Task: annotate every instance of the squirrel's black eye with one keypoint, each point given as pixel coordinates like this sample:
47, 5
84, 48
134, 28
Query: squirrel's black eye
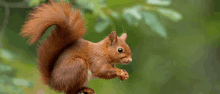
120, 50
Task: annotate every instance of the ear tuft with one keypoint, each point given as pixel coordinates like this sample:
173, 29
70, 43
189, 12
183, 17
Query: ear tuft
123, 36
113, 37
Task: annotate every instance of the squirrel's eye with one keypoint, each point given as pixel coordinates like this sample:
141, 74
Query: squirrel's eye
120, 50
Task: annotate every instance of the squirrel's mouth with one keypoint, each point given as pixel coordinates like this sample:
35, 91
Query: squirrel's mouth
125, 61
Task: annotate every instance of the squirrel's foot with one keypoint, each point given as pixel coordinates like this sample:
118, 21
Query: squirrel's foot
87, 90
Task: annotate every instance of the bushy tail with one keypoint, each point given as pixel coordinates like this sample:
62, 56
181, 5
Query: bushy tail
69, 28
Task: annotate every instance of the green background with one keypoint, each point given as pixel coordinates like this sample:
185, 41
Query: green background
170, 54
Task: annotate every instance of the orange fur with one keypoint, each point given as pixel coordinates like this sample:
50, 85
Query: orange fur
65, 58
69, 28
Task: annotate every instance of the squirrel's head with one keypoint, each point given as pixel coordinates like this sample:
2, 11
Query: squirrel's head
118, 49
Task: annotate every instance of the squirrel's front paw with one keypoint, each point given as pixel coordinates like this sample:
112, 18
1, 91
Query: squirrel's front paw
123, 75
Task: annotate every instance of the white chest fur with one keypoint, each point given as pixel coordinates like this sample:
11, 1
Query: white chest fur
90, 76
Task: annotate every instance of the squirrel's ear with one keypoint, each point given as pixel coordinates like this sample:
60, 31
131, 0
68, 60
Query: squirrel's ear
123, 36
113, 37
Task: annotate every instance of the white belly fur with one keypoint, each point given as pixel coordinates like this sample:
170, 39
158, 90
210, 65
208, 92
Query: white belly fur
90, 77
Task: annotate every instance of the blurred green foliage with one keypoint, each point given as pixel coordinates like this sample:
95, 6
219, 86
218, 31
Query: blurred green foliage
9, 83
184, 60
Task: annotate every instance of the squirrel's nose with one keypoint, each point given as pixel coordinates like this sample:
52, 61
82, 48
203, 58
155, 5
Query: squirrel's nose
129, 60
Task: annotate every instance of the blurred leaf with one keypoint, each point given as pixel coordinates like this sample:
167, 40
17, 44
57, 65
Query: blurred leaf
159, 2
5, 69
6, 54
6, 85
154, 23
2, 91
102, 24
35, 2
132, 15
130, 19
116, 15
171, 14
86, 4
133, 11
99, 4
9, 89
22, 82
6, 80
103, 15
93, 5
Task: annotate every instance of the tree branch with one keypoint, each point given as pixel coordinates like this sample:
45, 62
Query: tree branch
23, 4
7, 6
4, 24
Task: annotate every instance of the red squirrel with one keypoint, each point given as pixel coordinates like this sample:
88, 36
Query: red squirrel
65, 58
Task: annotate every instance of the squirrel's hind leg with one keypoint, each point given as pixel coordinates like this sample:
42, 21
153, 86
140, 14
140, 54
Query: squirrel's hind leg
69, 75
